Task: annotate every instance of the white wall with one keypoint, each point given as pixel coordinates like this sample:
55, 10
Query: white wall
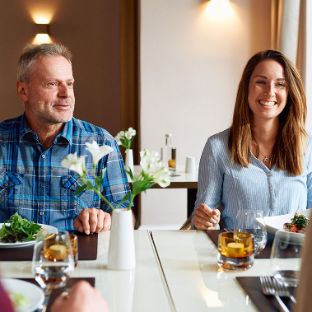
190, 68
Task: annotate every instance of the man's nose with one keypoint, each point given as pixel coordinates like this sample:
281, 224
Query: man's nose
63, 90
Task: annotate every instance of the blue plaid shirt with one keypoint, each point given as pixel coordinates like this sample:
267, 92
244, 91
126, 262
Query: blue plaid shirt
34, 183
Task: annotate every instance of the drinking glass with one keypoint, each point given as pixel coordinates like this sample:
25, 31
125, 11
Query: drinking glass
235, 250
52, 261
250, 221
286, 257
74, 244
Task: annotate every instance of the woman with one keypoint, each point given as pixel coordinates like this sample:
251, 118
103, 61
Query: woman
263, 162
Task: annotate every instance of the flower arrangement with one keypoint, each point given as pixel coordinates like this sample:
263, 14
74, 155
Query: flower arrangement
152, 172
125, 138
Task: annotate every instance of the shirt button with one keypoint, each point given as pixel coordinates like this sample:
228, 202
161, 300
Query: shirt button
41, 213
43, 155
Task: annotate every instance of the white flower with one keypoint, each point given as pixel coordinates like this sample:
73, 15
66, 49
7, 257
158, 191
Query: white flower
124, 138
130, 133
98, 151
162, 177
151, 165
74, 163
118, 137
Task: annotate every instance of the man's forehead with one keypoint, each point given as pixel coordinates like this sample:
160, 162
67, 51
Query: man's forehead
52, 65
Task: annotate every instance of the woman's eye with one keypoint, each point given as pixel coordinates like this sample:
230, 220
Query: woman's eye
281, 84
261, 82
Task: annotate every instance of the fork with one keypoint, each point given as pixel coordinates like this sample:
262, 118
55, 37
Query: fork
268, 289
282, 290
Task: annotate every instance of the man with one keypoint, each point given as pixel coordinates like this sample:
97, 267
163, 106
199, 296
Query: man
32, 146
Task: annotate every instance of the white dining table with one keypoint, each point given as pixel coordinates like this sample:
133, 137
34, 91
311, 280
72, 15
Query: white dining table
189, 262
141, 289
175, 271
181, 180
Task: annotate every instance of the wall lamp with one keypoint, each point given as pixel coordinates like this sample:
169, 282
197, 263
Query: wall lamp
42, 32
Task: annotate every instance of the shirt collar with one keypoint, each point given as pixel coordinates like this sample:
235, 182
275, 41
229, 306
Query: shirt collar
66, 133
27, 133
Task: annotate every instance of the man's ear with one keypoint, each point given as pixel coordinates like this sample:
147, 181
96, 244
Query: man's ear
22, 91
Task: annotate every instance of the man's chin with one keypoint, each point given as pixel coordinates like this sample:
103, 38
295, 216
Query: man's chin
60, 119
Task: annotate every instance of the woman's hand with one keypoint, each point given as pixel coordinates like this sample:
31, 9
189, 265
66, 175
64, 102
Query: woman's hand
205, 218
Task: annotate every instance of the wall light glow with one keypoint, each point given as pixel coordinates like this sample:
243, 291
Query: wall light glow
42, 38
218, 10
42, 16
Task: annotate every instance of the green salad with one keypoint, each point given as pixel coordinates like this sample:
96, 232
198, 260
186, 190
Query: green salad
18, 229
18, 300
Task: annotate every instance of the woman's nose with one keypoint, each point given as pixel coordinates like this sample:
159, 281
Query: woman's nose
270, 90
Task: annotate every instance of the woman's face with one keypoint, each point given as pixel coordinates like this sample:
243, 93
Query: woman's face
267, 91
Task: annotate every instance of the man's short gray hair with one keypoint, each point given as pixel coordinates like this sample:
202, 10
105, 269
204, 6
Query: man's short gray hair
33, 52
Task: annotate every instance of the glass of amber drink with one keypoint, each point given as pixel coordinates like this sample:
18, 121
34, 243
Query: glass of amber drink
235, 250
53, 260
74, 244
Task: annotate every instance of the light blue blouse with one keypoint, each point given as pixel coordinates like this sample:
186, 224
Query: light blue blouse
224, 183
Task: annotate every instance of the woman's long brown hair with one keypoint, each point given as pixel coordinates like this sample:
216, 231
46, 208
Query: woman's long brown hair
288, 151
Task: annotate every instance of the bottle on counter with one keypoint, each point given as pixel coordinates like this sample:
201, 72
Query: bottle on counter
166, 151
172, 161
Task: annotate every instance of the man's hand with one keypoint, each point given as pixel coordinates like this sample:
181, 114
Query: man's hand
206, 218
81, 297
92, 220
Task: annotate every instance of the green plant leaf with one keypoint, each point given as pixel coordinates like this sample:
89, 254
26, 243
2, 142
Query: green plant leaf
80, 189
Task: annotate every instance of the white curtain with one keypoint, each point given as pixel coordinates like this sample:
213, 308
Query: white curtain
291, 34
286, 27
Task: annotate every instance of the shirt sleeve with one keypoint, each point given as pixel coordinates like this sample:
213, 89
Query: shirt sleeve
210, 177
115, 185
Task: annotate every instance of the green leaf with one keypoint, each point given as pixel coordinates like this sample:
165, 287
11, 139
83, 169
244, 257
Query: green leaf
80, 189
18, 229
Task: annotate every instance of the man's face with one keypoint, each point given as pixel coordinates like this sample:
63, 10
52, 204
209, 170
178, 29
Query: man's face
48, 95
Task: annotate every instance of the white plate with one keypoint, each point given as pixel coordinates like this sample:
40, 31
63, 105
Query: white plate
277, 222
33, 294
49, 228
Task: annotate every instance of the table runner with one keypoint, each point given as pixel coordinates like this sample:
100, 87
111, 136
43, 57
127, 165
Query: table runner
87, 250
57, 292
264, 254
264, 303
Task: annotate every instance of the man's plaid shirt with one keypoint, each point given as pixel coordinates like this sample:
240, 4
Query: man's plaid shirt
34, 183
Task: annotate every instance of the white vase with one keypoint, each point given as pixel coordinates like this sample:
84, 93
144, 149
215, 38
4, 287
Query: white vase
129, 159
121, 282
121, 251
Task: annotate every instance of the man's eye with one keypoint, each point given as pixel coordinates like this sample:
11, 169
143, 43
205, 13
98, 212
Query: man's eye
52, 84
70, 84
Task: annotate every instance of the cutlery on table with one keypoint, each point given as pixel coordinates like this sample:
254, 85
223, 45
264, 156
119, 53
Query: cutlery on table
282, 290
268, 289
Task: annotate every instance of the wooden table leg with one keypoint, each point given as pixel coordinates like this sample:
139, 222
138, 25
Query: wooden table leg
191, 198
